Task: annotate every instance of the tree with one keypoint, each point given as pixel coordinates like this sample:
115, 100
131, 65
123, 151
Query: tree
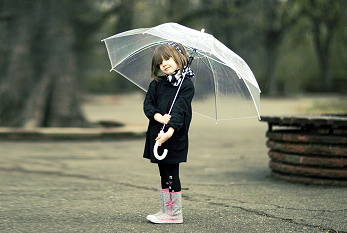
272, 23
42, 61
324, 16
39, 85
245, 26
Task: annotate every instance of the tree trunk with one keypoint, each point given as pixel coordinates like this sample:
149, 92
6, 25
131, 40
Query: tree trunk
325, 17
125, 23
272, 42
322, 42
39, 80
271, 62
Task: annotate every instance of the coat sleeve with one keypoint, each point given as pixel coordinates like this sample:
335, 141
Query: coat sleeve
182, 111
149, 104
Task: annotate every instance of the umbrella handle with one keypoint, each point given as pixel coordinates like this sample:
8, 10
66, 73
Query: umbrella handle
155, 152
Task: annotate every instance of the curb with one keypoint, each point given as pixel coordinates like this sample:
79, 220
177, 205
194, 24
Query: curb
56, 134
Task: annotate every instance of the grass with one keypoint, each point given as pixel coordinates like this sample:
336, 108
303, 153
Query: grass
328, 106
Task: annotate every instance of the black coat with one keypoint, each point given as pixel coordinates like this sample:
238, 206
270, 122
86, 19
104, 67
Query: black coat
158, 100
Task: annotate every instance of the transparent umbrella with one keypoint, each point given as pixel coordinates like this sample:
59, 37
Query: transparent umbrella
225, 87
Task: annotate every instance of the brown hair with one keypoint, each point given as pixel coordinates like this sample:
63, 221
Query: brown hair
166, 51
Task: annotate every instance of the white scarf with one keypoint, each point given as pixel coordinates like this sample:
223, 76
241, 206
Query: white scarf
175, 78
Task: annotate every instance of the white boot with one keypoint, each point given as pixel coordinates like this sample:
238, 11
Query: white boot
172, 211
162, 204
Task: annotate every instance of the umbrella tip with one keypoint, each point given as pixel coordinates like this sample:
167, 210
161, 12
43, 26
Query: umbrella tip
202, 30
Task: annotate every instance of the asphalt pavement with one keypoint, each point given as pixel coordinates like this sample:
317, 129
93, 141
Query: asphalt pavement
95, 185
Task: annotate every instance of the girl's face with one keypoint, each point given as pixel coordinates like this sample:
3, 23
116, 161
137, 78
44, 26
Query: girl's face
168, 66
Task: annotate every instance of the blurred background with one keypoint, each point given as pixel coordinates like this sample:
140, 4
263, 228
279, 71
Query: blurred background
51, 54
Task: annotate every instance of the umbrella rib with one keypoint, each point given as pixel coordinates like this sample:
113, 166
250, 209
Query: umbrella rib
108, 53
210, 57
215, 95
224, 119
125, 76
207, 65
137, 51
215, 91
255, 104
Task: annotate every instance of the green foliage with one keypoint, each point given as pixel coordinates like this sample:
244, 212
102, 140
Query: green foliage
276, 38
288, 44
334, 105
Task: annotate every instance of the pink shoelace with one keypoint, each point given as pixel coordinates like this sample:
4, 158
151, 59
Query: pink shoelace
170, 203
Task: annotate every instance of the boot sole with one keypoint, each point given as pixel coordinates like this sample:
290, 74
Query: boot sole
153, 219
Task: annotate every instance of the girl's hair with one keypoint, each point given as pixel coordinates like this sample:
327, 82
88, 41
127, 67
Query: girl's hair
166, 51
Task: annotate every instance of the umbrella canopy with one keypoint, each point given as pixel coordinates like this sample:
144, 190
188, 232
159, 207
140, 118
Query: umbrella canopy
225, 86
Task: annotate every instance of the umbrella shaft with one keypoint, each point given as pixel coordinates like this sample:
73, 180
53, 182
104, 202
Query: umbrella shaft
190, 59
174, 100
178, 90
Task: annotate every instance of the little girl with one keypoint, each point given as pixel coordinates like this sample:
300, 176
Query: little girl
169, 65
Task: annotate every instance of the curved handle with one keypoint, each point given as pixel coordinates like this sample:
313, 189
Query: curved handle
155, 151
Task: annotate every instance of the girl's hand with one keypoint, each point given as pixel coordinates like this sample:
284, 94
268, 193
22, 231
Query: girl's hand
163, 137
162, 119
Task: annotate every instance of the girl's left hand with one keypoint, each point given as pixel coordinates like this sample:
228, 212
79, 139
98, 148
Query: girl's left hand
163, 137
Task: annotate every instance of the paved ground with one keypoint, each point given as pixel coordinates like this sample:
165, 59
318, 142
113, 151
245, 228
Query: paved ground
106, 186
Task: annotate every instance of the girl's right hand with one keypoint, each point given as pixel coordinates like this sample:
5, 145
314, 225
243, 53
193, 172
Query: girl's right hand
162, 119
